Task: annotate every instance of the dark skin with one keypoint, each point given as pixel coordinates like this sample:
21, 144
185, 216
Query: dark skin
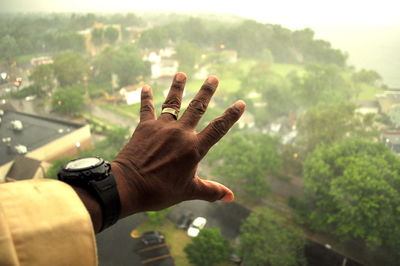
157, 167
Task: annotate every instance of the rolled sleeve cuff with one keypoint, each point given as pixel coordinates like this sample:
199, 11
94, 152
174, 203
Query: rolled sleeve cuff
44, 222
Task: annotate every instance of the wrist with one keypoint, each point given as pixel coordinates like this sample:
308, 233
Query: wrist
128, 194
92, 205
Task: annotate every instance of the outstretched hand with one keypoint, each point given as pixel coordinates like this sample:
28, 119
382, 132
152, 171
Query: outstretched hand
157, 167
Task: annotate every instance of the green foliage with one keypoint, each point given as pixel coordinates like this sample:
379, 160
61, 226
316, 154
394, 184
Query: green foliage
8, 48
208, 248
155, 218
244, 160
321, 84
56, 166
111, 34
125, 62
187, 55
97, 36
326, 124
68, 99
43, 77
267, 239
118, 136
352, 190
69, 68
275, 94
70, 41
370, 77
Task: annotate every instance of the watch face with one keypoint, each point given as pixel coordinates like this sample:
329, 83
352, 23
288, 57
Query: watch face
83, 163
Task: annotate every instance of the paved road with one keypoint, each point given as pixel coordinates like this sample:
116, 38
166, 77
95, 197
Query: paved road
112, 117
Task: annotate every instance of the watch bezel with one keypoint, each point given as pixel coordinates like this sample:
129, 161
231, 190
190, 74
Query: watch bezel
101, 161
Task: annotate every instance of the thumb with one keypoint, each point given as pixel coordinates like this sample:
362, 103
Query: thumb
211, 191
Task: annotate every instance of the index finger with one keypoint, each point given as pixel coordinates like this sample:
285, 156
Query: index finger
220, 126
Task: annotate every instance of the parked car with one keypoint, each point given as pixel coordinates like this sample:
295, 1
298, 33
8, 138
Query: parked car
184, 221
152, 238
196, 226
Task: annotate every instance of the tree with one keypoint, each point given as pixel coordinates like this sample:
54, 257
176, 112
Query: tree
97, 36
267, 239
352, 190
111, 34
326, 124
208, 248
125, 62
187, 54
157, 217
68, 100
8, 48
69, 68
247, 160
70, 41
321, 84
275, 93
370, 77
43, 78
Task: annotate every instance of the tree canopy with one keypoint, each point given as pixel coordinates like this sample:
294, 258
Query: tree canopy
353, 191
68, 99
247, 160
208, 248
69, 68
267, 239
328, 123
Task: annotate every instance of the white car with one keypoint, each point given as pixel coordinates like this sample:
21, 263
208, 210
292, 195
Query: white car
196, 226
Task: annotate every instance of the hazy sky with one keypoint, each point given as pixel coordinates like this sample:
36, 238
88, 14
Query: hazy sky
291, 13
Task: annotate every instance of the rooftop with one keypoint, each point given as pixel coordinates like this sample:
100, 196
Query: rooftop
36, 131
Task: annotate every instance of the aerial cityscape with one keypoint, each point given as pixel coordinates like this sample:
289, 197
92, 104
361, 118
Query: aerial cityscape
313, 162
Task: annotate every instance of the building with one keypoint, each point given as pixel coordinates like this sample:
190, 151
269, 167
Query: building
368, 107
163, 64
131, 94
43, 60
28, 142
388, 99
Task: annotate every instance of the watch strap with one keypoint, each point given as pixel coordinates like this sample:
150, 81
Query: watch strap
107, 193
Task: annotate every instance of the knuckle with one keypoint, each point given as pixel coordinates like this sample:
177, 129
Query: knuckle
209, 88
146, 108
145, 96
198, 106
220, 126
177, 85
172, 102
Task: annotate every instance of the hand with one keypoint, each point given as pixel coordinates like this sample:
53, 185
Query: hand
157, 167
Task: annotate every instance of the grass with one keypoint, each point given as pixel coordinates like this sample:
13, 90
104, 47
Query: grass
284, 69
175, 239
129, 111
368, 92
98, 120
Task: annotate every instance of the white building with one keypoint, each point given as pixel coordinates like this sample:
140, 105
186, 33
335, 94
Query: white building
131, 94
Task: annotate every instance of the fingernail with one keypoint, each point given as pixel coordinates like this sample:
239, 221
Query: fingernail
240, 104
212, 80
146, 88
228, 197
180, 77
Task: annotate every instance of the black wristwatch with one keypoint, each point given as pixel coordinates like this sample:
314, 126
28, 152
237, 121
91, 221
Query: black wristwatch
94, 174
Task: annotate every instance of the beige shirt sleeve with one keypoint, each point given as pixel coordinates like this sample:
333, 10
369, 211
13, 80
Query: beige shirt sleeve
43, 222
